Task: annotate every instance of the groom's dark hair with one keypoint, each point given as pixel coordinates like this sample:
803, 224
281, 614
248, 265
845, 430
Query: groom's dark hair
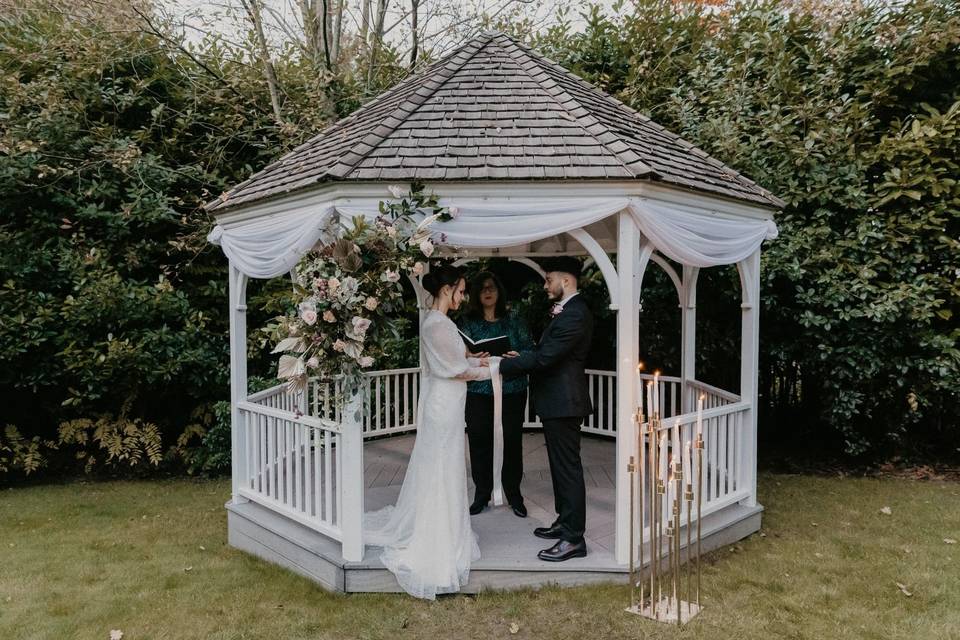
475, 310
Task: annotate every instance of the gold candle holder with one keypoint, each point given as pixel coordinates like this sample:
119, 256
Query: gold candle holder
666, 482
631, 469
699, 447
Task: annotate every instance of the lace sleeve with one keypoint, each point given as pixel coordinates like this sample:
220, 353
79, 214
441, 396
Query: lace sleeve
445, 353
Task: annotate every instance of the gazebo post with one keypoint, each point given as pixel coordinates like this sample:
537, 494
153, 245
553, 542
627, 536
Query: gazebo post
238, 378
749, 369
351, 507
628, 355
688, 336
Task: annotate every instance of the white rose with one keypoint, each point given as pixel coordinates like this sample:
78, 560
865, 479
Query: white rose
360, 325
309, 316
418, 269
313, 362
371, 303
397, 191
426, 247
390, 276
366, 361
454, 212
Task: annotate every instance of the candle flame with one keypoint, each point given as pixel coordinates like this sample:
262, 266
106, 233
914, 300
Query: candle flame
640, 366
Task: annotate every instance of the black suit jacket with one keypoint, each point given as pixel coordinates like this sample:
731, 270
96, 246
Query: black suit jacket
558, 384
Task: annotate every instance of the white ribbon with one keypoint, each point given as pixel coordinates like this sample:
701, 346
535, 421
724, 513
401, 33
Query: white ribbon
497, 430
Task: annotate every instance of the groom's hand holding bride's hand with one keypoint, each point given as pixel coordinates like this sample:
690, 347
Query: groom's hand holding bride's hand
511, 354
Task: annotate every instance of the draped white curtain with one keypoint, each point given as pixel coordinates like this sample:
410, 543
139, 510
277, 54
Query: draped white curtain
271, 246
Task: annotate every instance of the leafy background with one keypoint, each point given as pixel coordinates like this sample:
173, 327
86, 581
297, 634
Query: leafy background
113, 132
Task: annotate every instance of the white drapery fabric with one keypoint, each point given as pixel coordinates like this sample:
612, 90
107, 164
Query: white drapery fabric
271, 246
699, 240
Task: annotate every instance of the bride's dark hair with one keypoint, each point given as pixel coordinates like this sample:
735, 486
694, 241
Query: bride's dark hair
441, 276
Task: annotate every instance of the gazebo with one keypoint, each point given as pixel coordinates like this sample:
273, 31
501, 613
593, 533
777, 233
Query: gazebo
538, 162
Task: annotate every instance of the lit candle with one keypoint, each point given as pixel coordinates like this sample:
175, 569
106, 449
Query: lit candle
656, 392
649, 400
700, 417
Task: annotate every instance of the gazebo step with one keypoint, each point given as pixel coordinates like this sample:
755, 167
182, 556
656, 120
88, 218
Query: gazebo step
279, 540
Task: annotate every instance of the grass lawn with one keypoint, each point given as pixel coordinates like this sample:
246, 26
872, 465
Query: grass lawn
150, 558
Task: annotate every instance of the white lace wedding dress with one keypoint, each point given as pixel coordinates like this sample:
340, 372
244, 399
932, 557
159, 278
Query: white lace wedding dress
427, 539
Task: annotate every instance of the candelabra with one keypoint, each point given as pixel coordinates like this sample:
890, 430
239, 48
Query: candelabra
662, 483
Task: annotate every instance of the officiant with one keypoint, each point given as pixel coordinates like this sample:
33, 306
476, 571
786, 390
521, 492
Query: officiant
487, 318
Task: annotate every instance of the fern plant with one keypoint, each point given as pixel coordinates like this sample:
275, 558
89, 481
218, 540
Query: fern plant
18, 453
113, 443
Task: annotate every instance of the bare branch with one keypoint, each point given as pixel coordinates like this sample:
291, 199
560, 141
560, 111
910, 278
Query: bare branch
252, 8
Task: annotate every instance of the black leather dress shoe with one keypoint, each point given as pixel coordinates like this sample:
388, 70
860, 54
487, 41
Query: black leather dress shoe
478, 506
519, 509
564, 550
548, 533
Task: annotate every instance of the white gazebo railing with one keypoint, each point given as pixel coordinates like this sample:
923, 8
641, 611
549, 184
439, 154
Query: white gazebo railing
292, 461
294, 445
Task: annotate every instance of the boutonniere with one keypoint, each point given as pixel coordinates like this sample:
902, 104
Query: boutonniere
556, 309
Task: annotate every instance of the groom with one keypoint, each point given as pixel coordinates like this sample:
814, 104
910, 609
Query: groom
558, 389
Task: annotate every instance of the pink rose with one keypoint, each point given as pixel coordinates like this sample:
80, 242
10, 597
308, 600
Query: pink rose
313, 362
309, 316
366, 361
333, 283
418, 269
371, 303
339, 345
390, 276
328, 316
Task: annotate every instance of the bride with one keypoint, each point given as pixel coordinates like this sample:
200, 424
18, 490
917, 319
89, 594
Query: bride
427, 539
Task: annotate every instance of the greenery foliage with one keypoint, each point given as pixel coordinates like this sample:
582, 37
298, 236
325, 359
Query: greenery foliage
851, 117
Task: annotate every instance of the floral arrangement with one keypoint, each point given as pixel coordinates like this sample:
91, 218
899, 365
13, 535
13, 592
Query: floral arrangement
347, 289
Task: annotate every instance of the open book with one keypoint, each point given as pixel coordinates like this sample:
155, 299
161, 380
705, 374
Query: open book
494, 346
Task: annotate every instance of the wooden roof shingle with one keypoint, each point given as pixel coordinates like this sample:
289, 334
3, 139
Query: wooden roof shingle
494, 109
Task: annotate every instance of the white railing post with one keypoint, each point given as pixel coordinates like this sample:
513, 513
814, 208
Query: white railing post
749, 369
238, 379
688, 337
629, 277
350, 493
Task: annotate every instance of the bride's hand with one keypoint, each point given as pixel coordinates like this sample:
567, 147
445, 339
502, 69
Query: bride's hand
485, 362
482, 354
511, 354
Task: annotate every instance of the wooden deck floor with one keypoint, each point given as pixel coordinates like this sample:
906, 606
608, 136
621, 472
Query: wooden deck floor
505, 539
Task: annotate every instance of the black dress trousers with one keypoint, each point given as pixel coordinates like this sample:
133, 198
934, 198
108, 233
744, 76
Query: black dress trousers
479, 415
562, 436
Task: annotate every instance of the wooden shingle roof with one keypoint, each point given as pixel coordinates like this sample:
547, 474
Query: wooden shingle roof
495, 109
